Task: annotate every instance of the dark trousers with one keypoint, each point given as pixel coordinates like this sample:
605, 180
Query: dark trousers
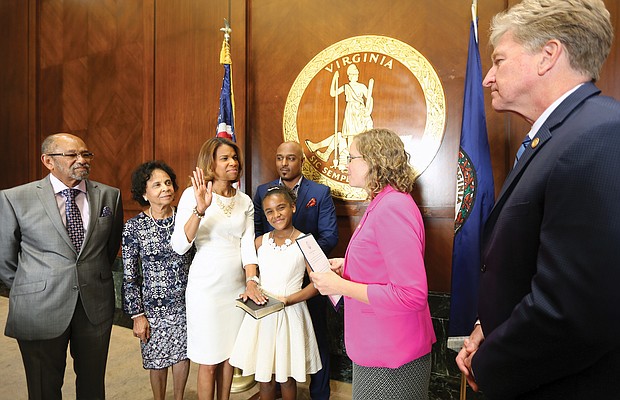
319, 382
45, 360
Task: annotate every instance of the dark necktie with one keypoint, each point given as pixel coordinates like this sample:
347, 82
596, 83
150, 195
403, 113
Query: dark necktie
75, 227
526, 142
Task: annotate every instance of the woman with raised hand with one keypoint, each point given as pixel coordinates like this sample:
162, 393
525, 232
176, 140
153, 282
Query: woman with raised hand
219, 221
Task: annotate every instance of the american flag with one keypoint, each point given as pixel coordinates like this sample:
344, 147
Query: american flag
226, 116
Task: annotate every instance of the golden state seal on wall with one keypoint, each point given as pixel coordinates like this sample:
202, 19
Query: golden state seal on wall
357, 84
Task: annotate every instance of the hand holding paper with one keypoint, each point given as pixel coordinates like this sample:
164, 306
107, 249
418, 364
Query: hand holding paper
336, 265
328, 282
318, 262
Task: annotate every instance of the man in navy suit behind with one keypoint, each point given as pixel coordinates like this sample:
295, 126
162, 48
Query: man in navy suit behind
549, 292
315, 214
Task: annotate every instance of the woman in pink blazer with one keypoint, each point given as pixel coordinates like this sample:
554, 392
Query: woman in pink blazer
388, 328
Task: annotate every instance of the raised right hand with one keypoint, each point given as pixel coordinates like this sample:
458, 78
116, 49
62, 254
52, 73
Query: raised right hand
203, 191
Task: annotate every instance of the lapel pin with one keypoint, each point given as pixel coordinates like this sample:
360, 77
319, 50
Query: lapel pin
535, 142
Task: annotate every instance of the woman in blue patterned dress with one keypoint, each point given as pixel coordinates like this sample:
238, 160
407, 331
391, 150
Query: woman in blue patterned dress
155, 278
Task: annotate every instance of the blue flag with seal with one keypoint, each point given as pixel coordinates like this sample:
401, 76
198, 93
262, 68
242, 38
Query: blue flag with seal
475, 196
226, 115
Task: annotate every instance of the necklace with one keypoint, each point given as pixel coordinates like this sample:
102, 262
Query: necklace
287, 242
168, 225
226, 208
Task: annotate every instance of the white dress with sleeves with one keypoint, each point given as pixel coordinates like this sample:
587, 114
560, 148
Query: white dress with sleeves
224, 244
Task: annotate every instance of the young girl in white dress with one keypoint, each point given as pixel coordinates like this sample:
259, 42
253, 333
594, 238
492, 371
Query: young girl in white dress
280, 347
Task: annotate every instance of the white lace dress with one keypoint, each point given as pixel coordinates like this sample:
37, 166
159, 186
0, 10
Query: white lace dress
282, 343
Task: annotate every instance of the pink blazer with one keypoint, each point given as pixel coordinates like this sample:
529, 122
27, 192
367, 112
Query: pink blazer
386, 252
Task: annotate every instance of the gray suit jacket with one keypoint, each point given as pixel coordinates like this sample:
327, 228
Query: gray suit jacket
40, 265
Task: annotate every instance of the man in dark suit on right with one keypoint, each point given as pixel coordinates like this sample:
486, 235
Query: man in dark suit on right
549, 306
315, 214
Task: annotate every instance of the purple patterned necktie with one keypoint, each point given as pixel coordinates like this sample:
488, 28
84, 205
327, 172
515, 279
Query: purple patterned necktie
75, 227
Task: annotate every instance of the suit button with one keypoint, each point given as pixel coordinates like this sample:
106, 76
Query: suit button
75, 288
483, 268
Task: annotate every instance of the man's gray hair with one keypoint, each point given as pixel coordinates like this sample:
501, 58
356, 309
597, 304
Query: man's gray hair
582, 26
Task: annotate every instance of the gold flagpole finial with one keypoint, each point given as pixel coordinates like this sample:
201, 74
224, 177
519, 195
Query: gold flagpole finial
226, 29
474, 17
225, 52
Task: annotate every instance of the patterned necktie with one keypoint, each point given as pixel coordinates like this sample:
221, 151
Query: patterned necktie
526, 142
75, 227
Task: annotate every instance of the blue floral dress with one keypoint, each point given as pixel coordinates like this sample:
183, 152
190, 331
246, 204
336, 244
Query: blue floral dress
154, 282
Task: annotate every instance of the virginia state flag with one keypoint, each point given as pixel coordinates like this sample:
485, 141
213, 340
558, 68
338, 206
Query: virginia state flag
226, 116
475, 197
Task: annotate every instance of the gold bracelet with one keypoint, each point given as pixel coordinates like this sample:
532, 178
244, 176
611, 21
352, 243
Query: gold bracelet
196, 213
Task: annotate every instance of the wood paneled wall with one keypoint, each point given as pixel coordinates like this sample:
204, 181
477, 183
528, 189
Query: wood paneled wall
287, 35
17, 51
140, 80
96, 80
284, 36
188, 77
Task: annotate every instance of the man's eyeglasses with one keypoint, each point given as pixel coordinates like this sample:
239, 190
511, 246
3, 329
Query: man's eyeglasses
86, 155
349, 158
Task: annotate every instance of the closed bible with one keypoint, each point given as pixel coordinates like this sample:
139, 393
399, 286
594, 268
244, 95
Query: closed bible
259, 311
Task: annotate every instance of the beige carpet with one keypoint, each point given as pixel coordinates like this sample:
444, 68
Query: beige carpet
125, 380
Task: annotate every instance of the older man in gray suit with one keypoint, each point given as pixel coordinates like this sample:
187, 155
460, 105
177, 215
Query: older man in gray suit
59, 237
